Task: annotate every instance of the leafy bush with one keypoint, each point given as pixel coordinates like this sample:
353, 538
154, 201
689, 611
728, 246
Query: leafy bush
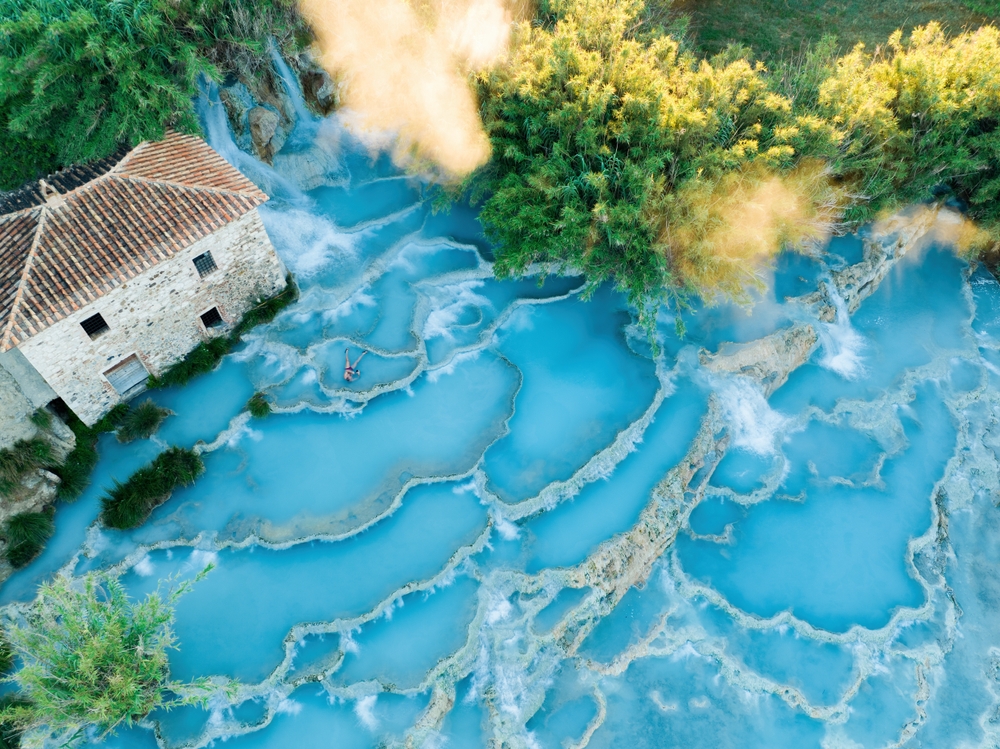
20, 459
26, 534
206, 356
619, 153
258, 406
79, 78
128, 505
266, 309
90, 657
141, 422
10, 735
917, 116
41, 418
6, 656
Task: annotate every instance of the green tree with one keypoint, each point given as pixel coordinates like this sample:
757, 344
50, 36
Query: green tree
79, 78
918, 115
613, 147
92, 657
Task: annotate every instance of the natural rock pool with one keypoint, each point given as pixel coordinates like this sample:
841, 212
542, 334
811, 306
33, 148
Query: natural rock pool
521, 528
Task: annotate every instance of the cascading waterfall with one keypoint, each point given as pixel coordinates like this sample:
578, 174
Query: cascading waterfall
519, 529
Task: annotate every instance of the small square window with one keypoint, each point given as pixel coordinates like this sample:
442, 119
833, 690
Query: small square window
205, 264
211, 318
95, 325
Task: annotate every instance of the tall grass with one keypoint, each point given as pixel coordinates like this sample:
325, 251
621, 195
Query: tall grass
206, 356
258, 406
141, 422
10, 734
26, 534
18, 460
41, 418
127, 505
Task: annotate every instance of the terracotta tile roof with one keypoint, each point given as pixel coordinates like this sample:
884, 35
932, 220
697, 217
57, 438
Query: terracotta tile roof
61, 254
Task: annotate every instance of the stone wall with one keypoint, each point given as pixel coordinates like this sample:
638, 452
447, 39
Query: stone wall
156, 315
15, 412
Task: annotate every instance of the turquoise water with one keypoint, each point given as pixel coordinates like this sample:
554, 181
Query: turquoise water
520, 528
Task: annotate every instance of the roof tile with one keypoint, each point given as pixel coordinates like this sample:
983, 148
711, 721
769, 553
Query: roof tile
158, 200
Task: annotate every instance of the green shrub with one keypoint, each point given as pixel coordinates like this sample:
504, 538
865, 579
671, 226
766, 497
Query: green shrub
258, 406
82, 77
26, 534
6, 656
111, 420
10, 734
20, 459
202, 359
141, 421
41, 418
128, 505
92, 657
206, 356
267, 309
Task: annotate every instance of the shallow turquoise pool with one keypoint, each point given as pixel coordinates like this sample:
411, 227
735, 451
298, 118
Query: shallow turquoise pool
520, 528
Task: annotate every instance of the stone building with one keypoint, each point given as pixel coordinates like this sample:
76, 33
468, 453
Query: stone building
113, 271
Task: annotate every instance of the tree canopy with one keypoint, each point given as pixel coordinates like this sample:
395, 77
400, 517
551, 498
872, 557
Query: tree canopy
619, 153
79, 78
91, 656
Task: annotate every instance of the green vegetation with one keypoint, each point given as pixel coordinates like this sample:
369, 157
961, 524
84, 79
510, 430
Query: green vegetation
140, 422
75, 471
79, 78
206, 355
128, 505
6, 656
10, 735
26, 534
258, 406
618, 154
91, 657
41, 418
18, 460
621, 154
778, 29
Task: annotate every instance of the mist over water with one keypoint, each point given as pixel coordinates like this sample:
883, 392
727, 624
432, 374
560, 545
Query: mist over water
444, 552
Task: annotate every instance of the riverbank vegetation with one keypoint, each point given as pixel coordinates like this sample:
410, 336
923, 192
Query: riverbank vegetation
620, 152
128, 504
80, 78
26, 534
258, 406
21, 458
74, 473
91, 657
140, 422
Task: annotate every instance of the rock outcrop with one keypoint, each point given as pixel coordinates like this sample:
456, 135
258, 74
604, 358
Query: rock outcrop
261, 111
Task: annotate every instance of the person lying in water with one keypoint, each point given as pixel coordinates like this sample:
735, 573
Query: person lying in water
351, 371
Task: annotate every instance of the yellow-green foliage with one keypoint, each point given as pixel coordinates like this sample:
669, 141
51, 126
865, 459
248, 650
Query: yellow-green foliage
90, 656
612, 150
919, 114
619, 154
